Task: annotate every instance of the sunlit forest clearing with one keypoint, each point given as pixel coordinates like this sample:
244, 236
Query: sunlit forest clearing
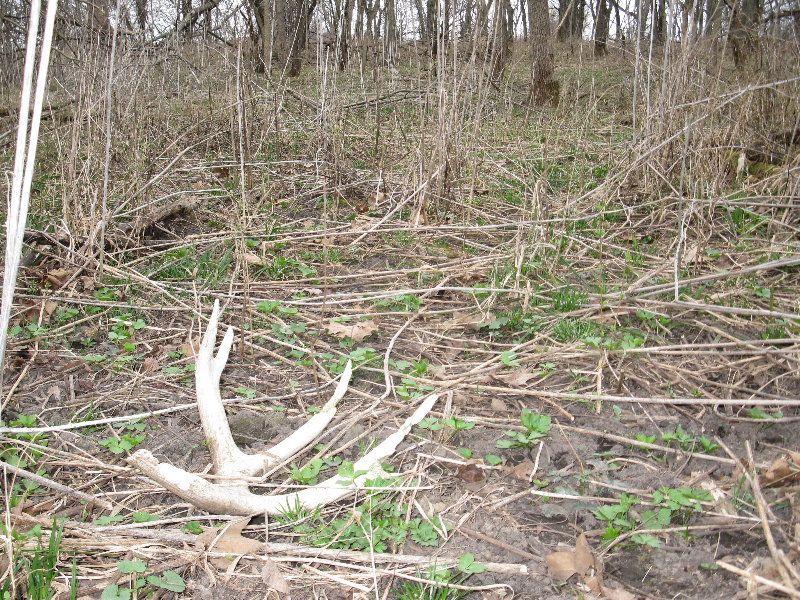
553, 250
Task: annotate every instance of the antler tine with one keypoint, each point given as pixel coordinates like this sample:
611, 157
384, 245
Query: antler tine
218, 364
225, 455
206, 351
314, 426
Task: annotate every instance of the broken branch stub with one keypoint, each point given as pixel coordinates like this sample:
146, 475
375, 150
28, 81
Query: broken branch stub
232, 495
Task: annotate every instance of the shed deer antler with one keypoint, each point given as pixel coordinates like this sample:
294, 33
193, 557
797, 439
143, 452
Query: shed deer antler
232, 497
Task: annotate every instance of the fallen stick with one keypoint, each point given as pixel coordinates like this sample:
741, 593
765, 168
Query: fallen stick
272, 548
759, 579
53, 485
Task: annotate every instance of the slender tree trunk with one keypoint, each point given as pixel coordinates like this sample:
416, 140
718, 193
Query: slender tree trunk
299, 34
444, 29
523, 13
466, 26
642, 14
501, 44
660, 21
186, 9
713, 17
280, 36
345, 23
743, 34
686, 11
564, 10
571, 15
265, 22
141, 14
97, 19
484, 6
601, 28
432, 24
544, 87
360, 15
390, 33
422, 26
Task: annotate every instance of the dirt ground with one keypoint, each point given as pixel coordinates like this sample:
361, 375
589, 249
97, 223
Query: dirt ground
486, 511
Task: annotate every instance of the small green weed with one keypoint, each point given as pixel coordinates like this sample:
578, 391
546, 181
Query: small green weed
401, 303
572, 330
138, 584
376, 523
129, 436
567, 299
36, 567
536, 427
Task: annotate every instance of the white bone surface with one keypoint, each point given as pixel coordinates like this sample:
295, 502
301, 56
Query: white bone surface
232, 495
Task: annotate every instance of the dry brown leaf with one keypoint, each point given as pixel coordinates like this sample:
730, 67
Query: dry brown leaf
470, 473
58, 277
189, 348
357, 331
582, 562
561, 564
783, 470
584, 557
499, 405
469, 321
150, 364
251, 258
451, 351
49, 307
231, 541
721, 498
54, 393
523, 470
361, 223
517, 378
566, 563
271, 575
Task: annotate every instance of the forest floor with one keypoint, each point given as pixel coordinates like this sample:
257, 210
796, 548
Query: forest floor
618, 367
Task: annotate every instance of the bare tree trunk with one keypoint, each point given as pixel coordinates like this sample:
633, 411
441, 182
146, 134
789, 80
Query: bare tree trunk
265, 20
390, 42
660, 21
186, 10
444, 29
601, 28
466, 26
642, 14
523, 19
301, 17
501, 44
431, 24
422, 26
361, 9
743, 34
686, 11
344, 33
141, 14
484, 6
280, 35
713, 17
571, 15
544, 87
618, 21
97, 18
